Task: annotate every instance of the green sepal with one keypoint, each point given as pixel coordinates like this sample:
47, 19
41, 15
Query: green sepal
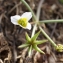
23, 45
35, 36
28, 38
30, 50
40, 41
38, 49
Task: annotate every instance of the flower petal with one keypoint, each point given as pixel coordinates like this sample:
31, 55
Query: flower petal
14, 19
28, 26
27, 15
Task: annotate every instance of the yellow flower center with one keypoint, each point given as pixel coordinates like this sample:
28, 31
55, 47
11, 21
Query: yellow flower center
23, 22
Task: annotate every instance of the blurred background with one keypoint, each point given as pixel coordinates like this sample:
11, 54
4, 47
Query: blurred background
11, 36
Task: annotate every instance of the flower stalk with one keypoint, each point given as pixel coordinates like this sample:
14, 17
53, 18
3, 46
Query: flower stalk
52, 42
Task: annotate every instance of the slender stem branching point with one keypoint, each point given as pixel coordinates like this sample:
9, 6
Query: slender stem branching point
37, 20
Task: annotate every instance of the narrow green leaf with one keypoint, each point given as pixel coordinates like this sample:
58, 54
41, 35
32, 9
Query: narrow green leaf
35, 36
40, 41
38, 49
23, 45
29, 51
28, 38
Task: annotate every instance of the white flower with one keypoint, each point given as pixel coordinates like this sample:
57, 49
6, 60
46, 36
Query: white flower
22, 20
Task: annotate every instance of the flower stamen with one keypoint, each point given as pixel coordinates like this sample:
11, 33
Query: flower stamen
23, 22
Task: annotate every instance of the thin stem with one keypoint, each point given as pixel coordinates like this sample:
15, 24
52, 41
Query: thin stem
37, 17
48, 37
51, 21
39, 9
33, 31
26, 4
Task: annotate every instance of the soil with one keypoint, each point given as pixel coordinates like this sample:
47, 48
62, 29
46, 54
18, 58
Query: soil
11, 36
